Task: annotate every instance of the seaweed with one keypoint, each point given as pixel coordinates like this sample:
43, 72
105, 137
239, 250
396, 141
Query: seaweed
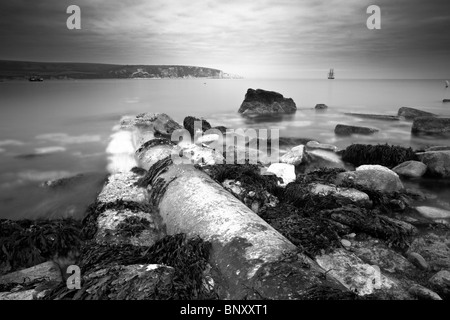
138, 171
189, 121
95, 209
155, 170
188, 257
132, 226
385, 155
327, 292
154, 142
26, 243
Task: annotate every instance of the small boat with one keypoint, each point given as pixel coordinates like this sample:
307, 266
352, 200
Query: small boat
35, 78
331, 74
447, 83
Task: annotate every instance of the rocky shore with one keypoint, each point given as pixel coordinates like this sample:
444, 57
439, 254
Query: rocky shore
182, 221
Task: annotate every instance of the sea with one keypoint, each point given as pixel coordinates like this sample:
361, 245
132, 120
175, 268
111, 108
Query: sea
61, 128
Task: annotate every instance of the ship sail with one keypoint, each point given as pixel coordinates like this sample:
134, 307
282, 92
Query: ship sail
331, 74
447, 84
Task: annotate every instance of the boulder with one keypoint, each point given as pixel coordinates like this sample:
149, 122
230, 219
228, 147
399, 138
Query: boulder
445, 100
284, 171
411, 169
348, 193
431, 125
294, 156
346, 130
437, 162
423, 293
263, 102
157, 122
376, 167
195, 154
373, 116
435, 249
321, 106
372, 179
312, 145
441, 281
433, 213
324, 158
189, 125
411, 113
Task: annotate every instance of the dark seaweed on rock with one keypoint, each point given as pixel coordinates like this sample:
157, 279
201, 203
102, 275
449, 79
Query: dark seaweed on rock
189, 258
325, 292
138, 171
154, 142
132, 226
154, 171
385, 155
26, 243
95, 209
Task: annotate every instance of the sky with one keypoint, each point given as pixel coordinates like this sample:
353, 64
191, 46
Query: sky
255, 39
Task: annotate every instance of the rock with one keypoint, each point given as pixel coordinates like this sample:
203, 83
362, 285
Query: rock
437, 162
346, 130
423, 293
438, 148
433, 213
441, 281
313, 145
189, 125
348, 193
157, 122
377, 253
411, 113
446, 100
319, 158
347, 244
431, 125
435, 249
121, 186
373, 179
221, 129
294, 156
418, 260
284, 171
194, 154
208, 138
20, 295
262, 102
356, 275
373, 116
47, 269
411, 169
376, 167
321, 106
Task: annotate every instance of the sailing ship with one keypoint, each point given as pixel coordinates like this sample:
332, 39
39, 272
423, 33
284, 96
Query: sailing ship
331, 74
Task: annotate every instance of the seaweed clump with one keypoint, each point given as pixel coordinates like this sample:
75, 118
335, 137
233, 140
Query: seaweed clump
188, 257
25, 243
132, 226
154, 142
385, 155
155, 170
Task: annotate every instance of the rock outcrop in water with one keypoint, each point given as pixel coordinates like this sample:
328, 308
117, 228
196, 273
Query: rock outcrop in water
412, 113
438, 163
431, 125
346, 130
265, 102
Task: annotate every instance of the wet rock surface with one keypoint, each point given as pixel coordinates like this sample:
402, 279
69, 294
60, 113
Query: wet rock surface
437, 162
265, 102
431, 125
411, 169
412, 113
347, 130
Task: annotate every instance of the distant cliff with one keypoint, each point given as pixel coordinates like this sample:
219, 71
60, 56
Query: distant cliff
57, 70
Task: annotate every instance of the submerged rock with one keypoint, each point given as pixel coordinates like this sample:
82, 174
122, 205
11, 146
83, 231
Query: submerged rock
262, 102
431, 125
283, 171
321, 106
372, 179
438, 162
411, 169
346, 130
433, 213
412, 113
312, 145
294, 156
373, 116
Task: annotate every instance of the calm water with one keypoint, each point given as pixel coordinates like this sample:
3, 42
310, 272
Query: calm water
56, 129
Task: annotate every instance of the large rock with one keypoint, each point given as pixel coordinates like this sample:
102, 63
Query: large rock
321, 106
348, 193
157, 122
411, 169
434, 248
283, 171
262, 102
431, 125
438, 162
189, 125
433, 213
372, 179
346, 130
323, 158
294, 156
376, 167
411, 113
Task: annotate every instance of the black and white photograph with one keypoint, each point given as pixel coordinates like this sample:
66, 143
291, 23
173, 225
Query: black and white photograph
208, 152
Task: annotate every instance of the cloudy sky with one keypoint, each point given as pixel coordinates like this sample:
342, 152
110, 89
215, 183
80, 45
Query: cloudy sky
256, 39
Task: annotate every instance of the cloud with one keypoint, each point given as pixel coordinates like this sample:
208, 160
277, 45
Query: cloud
11, 142
64, 138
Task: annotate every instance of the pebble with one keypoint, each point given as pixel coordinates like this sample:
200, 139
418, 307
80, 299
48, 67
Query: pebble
418, 260
346, 243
